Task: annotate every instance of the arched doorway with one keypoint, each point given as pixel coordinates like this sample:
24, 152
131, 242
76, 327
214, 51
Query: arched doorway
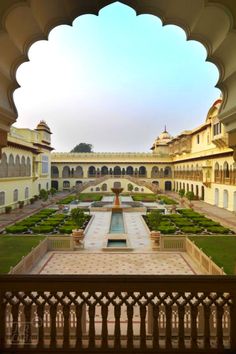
168, 185
40, 17
117, 171
203, 193
129, 171
225, 199
104, 170
54, 184
217, 197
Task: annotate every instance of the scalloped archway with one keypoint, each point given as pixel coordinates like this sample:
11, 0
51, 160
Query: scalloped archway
211, 22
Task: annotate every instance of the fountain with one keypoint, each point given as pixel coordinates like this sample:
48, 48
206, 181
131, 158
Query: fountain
117, 192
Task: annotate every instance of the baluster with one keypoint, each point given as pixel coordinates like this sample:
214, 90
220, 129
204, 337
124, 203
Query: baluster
104, 312
27, 329
207, 312
181, 311
194, 313
78, 333
91, 312
66, 329
117, 313
3, 320
155, 328
143, 312
53, 331
40, 313
130, 312
15, 324
168, 312
219, 315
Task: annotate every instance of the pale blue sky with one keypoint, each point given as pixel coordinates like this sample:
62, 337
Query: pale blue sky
114, 81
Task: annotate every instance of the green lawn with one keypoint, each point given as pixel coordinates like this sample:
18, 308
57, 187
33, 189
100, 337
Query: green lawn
222, 249
146, 197
12, 248
90, 197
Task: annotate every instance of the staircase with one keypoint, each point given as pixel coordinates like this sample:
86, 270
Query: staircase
154, 188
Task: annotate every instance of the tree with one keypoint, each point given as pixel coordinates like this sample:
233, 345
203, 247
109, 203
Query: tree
78, 217
83, 147
43, 194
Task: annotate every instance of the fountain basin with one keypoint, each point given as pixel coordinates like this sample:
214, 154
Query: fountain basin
116, 242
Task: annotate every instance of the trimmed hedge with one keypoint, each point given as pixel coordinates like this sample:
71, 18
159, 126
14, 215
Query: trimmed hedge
218, 230
50, 223
16, 229
42, 229
191, 229
167, 229
66, 229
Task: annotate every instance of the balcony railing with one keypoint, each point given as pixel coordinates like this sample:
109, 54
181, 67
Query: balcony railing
119, 314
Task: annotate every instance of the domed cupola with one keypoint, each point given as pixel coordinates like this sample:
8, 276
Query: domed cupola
162, 140
42, 126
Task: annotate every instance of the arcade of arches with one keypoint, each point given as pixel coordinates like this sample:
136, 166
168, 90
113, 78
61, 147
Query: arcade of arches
210, 22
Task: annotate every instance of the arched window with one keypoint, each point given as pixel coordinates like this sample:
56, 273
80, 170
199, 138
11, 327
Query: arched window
104, 187
78, 172
28, 167
11, 166
217, 170
66, 172
91, 171
66, 184
3, 166
167, 172
23, 167
117, 171
26, 192
104, 170
226, 169
2, 198
17, 166
129, 171
155, 172
142, 171
54, 172
15, 195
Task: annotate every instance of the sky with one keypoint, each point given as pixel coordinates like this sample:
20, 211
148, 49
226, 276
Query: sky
114, 81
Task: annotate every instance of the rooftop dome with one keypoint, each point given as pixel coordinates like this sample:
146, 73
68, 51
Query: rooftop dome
164, 135
42, 126
162, 139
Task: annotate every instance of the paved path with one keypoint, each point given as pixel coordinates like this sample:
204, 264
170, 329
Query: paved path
19, 214
225, 217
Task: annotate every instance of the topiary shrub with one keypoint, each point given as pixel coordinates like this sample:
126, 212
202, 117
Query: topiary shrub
51, 223
208, 223
66, 229
181, 223
167, 229
28, 223
16, 229
218, 230
191, 229
8, 209
42, 229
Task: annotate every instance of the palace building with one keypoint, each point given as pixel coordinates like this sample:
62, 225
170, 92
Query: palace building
197, 160
25, 165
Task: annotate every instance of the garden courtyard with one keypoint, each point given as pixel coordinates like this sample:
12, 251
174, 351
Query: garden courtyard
216, 241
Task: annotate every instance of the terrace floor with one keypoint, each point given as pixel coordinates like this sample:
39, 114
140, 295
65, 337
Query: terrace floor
85, 262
